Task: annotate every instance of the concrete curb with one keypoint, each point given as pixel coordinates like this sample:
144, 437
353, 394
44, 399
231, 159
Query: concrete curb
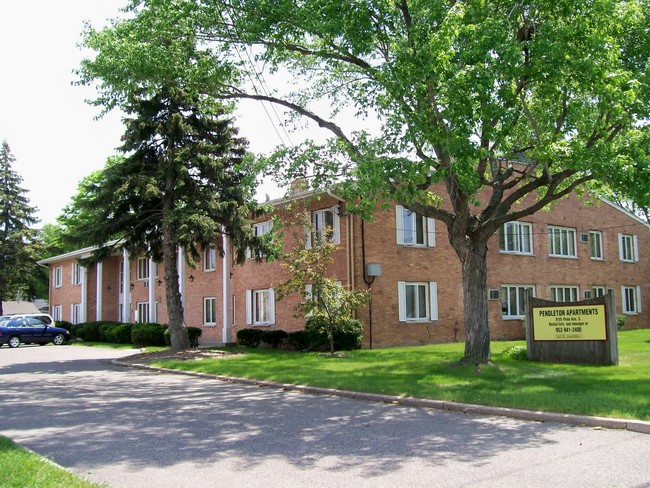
529, 415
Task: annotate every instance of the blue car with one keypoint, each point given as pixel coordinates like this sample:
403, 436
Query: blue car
30, 330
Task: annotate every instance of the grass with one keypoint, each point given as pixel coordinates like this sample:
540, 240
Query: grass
20, 468
431, 372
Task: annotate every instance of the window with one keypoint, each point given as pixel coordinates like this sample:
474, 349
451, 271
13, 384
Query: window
326, 225
76, 273
516, 238
418, 302
562, 242
57, 312
596, 244
142, 311
260, 307
142, 271
414, 229
513, 300
259, 230
628, 248
631, 299
75, 313
121, 285
57, 277
209, 258
209, 310
598, 291
565, 293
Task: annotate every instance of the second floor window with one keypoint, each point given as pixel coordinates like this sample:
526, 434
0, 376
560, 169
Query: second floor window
210, 259
326, 224
57, 277
562, 242
596, 244
76, 273
413, 229
565, 293
628, 248
516, 238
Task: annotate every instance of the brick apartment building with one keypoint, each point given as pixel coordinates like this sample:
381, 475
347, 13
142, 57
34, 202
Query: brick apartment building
574, 250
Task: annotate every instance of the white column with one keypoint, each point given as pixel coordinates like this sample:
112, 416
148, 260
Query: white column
226, 333
99, 271
152, 291
126, 283
181, 275
84, 295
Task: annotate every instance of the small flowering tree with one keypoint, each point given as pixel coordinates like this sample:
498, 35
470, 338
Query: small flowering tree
323, 296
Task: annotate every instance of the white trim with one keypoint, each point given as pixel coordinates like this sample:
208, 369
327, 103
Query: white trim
433, 300
99, 272
249, 307
431, 232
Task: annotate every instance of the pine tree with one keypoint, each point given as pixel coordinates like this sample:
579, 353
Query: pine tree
18, 242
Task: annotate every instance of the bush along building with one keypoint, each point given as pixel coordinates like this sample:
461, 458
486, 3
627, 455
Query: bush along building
578, 248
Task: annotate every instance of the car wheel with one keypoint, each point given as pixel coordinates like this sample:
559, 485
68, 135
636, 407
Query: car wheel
58, 339
14, 341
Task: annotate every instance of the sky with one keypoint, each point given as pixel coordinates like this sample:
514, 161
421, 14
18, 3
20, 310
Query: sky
54, 135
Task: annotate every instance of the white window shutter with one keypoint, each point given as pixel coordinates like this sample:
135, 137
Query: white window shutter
249, 307
399, 223
620, 246
271, 306
308, 292
431, 231
623, 306
337, 225
401, 300
308, 230
638, 299
433, 300
635, 248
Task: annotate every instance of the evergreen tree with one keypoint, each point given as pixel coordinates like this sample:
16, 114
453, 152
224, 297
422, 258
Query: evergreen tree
183, 181
18, 242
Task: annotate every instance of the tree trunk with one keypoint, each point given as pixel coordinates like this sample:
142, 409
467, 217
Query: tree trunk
473, 257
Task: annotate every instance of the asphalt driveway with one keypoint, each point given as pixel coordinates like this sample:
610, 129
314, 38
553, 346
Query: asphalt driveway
132, 428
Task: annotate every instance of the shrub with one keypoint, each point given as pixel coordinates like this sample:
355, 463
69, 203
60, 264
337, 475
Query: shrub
298, 340
64, 324
518, 353
347, 332
273, 337
143, 335
249, 337
193, 332
89, 332
118, 333
621, 320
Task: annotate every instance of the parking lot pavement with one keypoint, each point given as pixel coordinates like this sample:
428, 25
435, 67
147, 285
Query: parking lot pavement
131, 428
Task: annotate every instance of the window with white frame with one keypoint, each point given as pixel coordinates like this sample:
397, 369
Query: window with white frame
628, 248
565, 293
598, 291
209, 310
413, 229
631, 299
513, 300
326, 225
57, 312
260, 307
142, 269
516, 238
76, 273
142, 309
417, 301
596, 244
259, 229
562, 242
75, 313
209, 258
57, 277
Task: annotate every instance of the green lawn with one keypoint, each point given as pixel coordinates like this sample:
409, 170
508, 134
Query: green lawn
431, 372
20, 468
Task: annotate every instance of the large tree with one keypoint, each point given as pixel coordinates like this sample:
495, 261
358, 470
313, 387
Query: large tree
19, 246
183, 181
492, 101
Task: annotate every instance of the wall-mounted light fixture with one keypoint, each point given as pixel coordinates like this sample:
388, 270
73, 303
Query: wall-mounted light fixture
191, 278
108, 288
159, 282
131, 286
